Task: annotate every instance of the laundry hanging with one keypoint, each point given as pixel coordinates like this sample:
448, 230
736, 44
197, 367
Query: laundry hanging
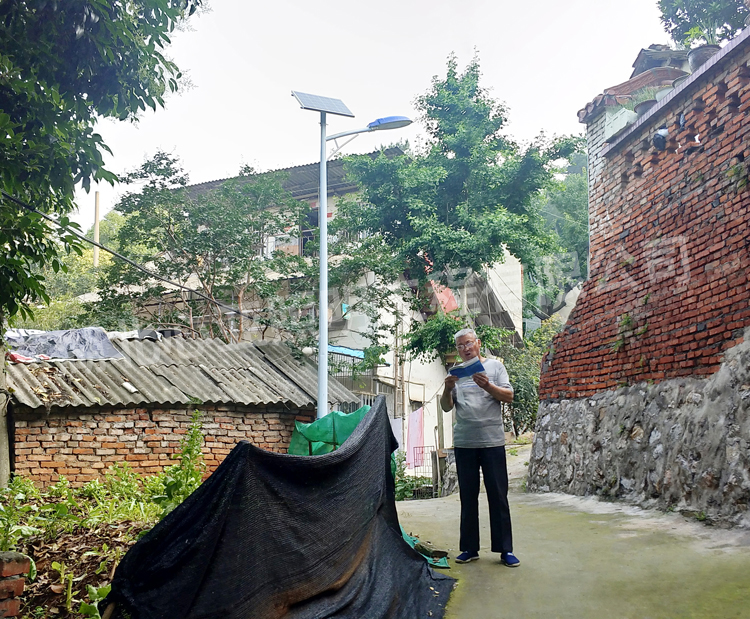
415, 438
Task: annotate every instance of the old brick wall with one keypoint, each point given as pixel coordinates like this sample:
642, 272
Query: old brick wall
81, 444
669, 286
645, 396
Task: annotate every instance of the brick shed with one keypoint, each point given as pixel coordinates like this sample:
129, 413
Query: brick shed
77, 417
646, 393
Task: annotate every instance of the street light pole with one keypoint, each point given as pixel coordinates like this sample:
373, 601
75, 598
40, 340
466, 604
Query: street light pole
332, 106
323, 293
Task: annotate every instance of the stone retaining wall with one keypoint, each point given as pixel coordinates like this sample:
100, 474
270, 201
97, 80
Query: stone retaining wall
81, 444
682, 444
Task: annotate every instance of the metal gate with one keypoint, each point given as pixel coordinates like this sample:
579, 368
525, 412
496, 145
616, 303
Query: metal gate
425, 480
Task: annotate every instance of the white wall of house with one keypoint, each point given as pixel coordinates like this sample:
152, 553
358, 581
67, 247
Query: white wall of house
422, 382
506, 280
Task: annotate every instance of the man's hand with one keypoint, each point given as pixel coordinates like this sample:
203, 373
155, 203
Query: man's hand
446, 400
450, 382
481, 379
499, 393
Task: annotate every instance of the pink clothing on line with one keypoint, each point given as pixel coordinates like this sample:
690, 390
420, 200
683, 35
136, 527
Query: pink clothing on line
415, 438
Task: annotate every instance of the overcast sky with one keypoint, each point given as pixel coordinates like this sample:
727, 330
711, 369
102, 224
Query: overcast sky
544, 58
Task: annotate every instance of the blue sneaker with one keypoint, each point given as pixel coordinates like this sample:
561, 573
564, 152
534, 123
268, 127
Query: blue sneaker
509, 559
467, 556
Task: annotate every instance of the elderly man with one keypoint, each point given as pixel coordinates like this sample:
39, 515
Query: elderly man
479, 441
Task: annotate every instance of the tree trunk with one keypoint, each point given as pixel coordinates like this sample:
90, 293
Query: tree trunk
4, 400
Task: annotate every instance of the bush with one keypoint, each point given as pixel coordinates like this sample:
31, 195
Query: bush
176, 483
406, 484
524, 368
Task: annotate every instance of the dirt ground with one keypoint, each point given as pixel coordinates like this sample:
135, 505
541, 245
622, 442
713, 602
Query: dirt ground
584, 558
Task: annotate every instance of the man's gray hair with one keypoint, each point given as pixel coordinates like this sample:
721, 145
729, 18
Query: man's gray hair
463, 332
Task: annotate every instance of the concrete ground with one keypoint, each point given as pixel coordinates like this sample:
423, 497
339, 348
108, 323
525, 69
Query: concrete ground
585, 558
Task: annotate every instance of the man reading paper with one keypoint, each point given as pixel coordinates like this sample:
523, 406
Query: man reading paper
479, 441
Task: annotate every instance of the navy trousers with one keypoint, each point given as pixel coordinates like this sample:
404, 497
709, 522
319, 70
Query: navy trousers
495, 472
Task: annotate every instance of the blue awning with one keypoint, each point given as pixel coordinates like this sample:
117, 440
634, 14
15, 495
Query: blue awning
349, 352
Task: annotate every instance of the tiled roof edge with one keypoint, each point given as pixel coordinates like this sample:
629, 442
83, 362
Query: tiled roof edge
719, 59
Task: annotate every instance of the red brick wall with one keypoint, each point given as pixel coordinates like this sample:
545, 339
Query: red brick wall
669, 285
81, 445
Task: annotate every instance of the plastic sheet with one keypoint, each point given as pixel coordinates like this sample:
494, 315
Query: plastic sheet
324, 435
88, 343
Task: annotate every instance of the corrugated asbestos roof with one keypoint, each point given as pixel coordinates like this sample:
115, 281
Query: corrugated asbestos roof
303, 181
174, 371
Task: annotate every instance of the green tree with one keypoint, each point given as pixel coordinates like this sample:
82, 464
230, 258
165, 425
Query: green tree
706, 21
65, 310
467, 196
565, 210
458, 203
109, 230
567, 213
64, 65
219, 243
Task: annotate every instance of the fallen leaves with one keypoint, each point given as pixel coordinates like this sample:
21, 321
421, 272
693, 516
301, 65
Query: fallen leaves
82, 552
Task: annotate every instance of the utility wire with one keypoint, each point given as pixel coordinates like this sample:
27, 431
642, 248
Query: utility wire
515, 295
28, 207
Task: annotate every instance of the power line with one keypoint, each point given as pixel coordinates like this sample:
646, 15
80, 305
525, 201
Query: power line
517, 297
28, 207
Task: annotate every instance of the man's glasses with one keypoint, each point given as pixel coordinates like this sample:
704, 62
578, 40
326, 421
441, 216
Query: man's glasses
465, 345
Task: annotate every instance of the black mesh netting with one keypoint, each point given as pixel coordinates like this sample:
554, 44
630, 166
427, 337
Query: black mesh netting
275, 535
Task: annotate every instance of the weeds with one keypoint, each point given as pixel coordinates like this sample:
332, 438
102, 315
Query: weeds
406, 484
738, 176
179, 481
106, 515
95, 595
66, 584
18, 513
626, 322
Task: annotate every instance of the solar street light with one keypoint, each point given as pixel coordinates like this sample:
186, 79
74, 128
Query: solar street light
327, 105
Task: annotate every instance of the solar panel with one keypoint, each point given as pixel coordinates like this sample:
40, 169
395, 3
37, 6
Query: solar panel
321, 104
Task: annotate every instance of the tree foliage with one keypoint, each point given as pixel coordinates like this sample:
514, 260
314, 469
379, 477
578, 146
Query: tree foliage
567, 213
703, 21
465, 197
65, 310
217, 242
524, 367
63, 66
565, 210
452, 206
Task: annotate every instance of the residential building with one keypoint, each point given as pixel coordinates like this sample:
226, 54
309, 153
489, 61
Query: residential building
494, 298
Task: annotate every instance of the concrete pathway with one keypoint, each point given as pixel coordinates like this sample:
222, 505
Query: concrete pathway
585, 558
